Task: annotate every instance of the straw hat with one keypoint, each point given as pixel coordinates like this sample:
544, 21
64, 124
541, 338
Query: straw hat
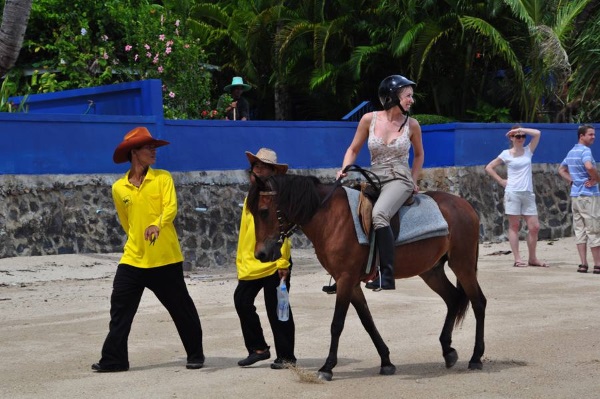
237, 81
268, 156
138, 137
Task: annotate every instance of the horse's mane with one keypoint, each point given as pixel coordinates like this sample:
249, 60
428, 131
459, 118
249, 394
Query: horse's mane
297, 196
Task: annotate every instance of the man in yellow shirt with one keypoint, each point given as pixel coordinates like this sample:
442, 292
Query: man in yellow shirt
254, 275
146, 204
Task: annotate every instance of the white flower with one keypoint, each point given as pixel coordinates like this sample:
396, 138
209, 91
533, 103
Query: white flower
83, 31
62, 61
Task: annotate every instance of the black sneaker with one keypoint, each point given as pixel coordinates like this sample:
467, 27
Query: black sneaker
280, 364
254, 357
330, 289
195, 365
108, 369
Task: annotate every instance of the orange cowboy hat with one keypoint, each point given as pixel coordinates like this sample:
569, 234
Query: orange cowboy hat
138, 137
268, 156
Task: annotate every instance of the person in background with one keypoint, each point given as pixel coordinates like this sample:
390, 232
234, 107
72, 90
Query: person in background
389, 135
254, 275
146, 205
579, 170
519, 198
238, 109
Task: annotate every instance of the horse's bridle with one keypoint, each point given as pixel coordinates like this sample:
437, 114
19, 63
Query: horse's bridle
283, 222
291, 228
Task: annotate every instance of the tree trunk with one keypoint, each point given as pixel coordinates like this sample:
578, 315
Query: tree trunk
282, 103
12, 32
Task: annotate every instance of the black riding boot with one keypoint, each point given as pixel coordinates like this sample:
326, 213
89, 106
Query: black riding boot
385, 245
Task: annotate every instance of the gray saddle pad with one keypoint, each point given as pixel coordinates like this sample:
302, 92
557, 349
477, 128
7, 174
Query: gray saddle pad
418, 221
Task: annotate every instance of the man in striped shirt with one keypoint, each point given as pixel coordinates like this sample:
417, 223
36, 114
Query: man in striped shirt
579, 169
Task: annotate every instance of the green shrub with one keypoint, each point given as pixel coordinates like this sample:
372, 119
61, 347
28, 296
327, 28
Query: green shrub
425, 119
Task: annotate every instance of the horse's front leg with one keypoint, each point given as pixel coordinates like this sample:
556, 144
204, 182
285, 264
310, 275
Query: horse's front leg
342, 302
362, 309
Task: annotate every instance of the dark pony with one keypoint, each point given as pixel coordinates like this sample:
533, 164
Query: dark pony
283, 203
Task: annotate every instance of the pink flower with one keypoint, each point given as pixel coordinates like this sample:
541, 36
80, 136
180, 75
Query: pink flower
186, 46
168, 50
155, 60
171, 94
177, 23
128, 48
105, 56
161, 37
170, 43
149, 55
135, 58
177, 32
146, 47
160, 69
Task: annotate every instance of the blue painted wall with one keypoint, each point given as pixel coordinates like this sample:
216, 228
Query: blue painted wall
59, 135
132, 98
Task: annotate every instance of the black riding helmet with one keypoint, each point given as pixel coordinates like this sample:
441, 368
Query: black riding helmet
388, 91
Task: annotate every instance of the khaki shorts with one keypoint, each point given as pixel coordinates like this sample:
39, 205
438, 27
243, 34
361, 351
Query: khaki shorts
520, 203
586, 220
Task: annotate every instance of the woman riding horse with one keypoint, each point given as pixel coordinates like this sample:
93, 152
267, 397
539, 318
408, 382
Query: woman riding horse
389, 135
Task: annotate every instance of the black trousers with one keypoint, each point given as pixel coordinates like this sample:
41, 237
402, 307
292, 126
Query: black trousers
283, 331
168, 285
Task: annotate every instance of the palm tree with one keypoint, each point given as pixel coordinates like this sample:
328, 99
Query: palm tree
246, 30
551, 30
316, 49
12, 31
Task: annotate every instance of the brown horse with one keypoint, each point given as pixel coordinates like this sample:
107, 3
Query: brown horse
322, 211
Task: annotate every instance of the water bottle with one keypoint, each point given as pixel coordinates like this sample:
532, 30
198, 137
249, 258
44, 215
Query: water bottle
283, 301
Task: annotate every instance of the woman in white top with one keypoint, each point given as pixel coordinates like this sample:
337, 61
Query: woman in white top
519, 199
389, 135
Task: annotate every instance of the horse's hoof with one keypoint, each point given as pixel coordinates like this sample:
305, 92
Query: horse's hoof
387, 370
475, 365
451, 358
324, 376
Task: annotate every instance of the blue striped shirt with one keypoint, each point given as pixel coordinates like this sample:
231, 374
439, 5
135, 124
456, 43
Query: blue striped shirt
575, 162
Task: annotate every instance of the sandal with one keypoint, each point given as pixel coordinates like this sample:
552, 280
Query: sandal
596, 270
520, 264
542, 264
582, 269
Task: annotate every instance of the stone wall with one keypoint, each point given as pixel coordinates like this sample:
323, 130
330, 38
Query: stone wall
61, 214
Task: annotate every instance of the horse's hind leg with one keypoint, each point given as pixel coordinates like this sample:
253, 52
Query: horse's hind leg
437, 280
360, 304
478, 303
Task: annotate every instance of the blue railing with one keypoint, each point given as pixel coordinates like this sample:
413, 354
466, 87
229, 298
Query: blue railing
359, 111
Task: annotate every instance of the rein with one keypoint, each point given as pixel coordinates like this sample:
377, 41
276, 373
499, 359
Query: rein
292, 228
283, 232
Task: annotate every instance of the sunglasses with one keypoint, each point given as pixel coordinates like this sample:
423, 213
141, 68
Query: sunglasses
519, 136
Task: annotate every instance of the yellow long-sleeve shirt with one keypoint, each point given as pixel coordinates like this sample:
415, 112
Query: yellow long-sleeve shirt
248, 267
153, 203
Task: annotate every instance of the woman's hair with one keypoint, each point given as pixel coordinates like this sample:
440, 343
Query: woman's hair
515, 126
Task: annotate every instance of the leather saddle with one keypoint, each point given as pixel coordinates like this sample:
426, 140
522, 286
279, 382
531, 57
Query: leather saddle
367, 197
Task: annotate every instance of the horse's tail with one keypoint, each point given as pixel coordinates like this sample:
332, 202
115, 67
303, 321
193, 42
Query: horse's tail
462, 306
463, 299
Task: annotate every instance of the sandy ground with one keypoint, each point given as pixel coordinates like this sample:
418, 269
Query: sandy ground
541, 335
